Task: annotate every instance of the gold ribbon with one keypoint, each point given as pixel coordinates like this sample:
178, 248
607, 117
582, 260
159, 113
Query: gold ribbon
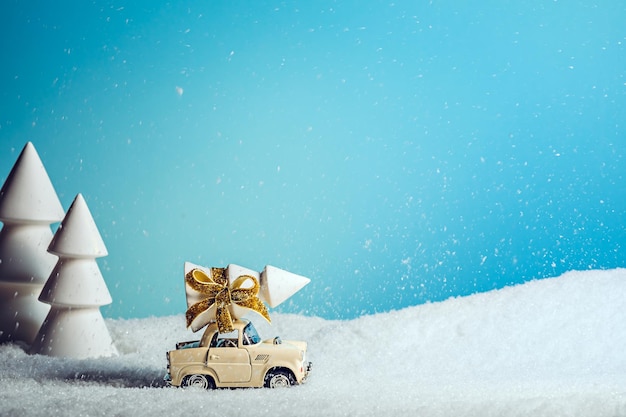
216, 291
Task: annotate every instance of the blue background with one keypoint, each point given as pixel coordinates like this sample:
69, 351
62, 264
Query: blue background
393, 152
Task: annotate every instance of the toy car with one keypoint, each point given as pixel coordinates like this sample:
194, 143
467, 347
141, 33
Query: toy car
237, 359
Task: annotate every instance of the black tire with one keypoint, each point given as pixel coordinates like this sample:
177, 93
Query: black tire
279, 378
198, 381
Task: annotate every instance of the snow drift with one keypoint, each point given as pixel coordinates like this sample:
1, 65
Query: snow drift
546, 348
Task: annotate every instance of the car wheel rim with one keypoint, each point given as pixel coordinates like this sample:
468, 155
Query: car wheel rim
279, 381
198, 381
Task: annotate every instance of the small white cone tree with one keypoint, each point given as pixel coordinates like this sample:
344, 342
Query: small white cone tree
28, 206
75, 291
277, 285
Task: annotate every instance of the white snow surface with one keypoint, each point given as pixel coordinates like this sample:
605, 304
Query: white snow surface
551, 347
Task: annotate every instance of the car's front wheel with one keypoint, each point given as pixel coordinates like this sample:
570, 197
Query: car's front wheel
198, 381
279, 378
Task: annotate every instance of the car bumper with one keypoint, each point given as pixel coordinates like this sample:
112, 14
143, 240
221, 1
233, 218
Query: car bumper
307, 370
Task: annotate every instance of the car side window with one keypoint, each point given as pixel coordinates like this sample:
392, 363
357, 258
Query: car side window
225, 339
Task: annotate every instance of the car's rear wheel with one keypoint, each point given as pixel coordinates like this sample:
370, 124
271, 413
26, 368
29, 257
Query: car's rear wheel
198, 381
279, 378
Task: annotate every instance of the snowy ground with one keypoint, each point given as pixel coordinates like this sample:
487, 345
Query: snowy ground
547, 348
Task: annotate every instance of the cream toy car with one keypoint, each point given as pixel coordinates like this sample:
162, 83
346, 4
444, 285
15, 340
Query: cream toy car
237, 359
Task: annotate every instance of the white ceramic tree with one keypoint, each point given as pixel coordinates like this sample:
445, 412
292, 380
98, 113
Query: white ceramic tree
75, 290
28, 205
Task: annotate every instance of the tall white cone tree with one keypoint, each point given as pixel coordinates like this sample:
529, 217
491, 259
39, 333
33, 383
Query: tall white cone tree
75, 290
28, 205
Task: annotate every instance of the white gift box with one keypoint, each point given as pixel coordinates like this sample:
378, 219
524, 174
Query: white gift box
276, 286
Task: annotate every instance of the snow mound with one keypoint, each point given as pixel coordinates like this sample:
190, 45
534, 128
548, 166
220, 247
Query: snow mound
546, 348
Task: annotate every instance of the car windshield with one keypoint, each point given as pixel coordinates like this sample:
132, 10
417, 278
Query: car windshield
250, 335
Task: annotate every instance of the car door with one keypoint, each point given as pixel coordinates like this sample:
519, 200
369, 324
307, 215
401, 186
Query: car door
230, 363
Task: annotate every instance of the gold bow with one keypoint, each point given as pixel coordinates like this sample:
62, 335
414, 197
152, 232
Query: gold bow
217, 292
